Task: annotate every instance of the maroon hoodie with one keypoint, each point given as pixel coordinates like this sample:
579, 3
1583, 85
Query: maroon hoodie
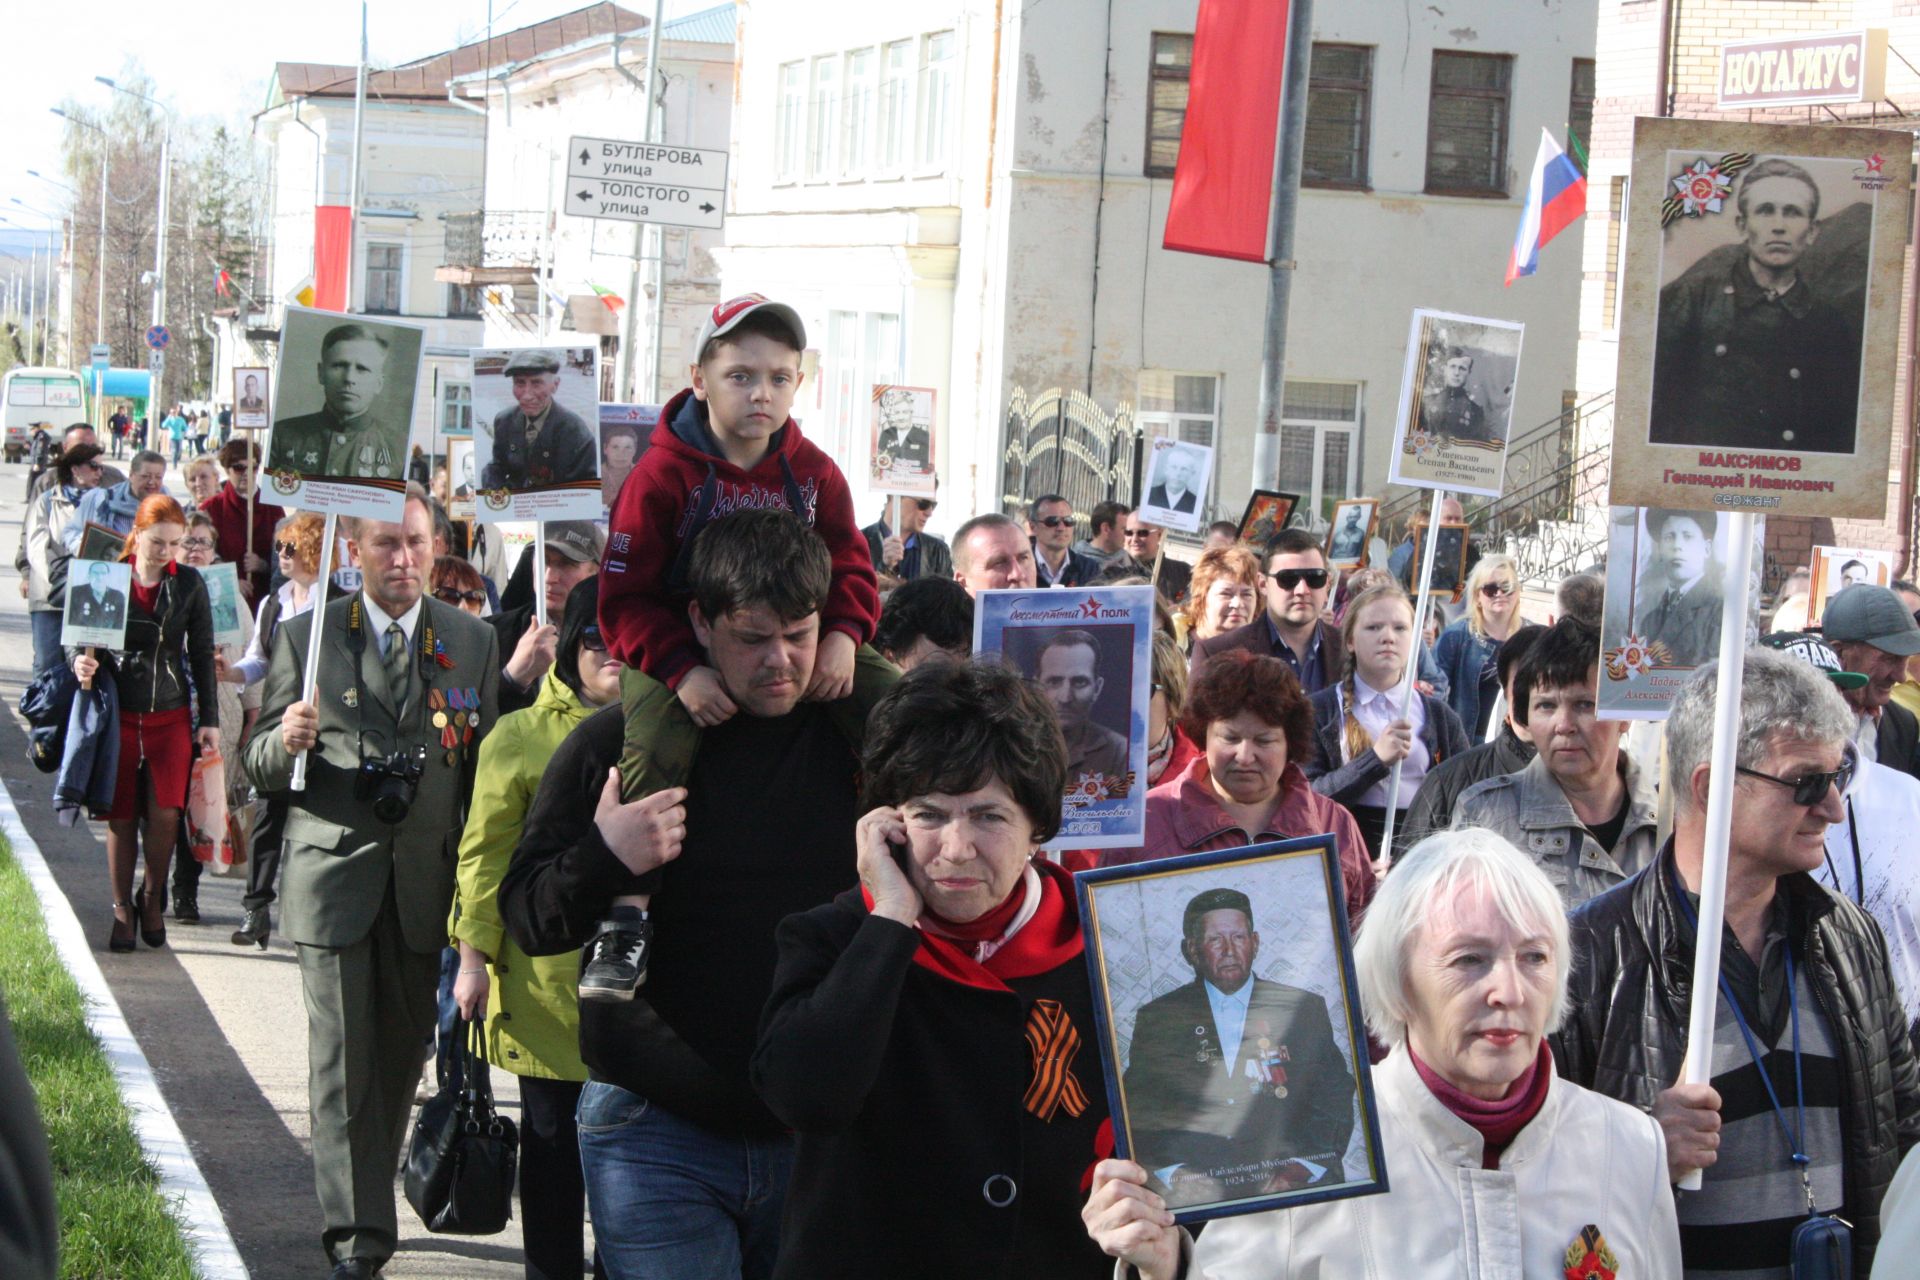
679, 485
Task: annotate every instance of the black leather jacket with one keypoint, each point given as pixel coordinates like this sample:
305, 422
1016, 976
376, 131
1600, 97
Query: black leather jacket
167, 648
1626, 1029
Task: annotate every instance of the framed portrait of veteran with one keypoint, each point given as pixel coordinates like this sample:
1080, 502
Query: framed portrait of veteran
251, 401
536, 433
1230, 1029
1666, 579
461, 477
223, 601
1266, 514
100, 542
1456, 403
1837, 568
1350, 531
1449, 557
1174, 494
342, 414
1091, 652
96, 612
902, 428
1759, 317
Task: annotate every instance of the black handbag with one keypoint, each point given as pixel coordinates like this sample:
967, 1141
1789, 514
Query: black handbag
461, 1162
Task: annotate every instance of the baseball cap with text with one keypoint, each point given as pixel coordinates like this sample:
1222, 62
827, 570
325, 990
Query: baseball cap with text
728, 316
1817, 653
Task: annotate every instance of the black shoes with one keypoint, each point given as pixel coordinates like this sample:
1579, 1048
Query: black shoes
355, 1269
254, 931
116, 940
613, 964
155, 937
186, 904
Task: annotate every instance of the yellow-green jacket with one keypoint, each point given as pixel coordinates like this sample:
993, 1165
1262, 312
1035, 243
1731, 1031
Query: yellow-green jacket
533, 1016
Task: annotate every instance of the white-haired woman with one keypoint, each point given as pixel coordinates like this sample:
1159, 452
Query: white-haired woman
1498, 1167
1468, 651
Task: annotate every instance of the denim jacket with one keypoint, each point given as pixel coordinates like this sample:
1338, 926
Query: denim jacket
1531, 810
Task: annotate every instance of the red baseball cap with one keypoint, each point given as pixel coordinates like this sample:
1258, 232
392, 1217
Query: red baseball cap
727, 316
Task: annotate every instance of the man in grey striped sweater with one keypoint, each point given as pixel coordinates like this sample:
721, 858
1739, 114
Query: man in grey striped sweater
1798, 964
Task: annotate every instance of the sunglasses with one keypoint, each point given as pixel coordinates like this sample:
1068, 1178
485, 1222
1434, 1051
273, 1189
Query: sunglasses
1056, 522
925, 504
1139, 535
1288, 579
453, 595
1492, 589
592, 641
1810, 788
285, 549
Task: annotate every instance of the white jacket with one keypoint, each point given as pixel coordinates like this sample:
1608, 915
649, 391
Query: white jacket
1584, 1160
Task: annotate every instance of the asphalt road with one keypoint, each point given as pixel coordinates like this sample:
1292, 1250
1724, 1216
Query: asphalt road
224, 1027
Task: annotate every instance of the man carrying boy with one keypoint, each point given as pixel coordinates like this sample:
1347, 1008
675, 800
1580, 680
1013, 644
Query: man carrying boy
725, 444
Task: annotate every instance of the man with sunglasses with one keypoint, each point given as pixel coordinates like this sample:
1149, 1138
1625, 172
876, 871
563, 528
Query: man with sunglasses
1055, 562
909, 552
1293, 626
1814, 1094
1173, 577
1874, 633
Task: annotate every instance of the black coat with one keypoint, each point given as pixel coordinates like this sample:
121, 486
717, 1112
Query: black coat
906, 1089
167, 650
1896, 742
1257, 637
1432, 807
1627, 1030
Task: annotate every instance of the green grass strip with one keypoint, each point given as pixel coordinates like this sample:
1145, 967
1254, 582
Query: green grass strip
114, 1222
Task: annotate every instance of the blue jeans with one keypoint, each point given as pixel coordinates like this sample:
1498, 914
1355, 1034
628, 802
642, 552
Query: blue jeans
673, 1201
46, 639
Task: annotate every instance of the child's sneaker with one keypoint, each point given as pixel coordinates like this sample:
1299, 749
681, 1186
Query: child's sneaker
613, 964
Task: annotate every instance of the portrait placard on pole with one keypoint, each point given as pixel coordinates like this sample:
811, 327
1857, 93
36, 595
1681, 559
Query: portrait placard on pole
1173, 492
536, 433
1456, 403
342, 413
252, 399
96, 613
1837, 568
1759, 318
902, 440
223, 600
625, 432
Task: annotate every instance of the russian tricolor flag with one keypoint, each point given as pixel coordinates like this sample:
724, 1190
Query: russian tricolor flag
1555, 197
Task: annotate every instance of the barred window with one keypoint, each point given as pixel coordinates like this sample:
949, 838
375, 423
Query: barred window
1467, 123
1168, 72
1338, 94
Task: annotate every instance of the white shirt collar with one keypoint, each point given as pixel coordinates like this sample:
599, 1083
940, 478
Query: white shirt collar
1229, 1018
1364, 693
378, 619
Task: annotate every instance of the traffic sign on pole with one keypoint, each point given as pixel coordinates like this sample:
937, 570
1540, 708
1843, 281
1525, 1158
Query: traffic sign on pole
158, 337
653, 182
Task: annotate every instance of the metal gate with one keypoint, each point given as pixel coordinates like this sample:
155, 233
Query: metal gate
1063, 442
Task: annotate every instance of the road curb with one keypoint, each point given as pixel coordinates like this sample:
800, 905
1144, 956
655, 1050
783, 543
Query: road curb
202, 1223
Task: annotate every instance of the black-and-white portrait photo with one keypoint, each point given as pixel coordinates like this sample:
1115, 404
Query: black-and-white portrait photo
1348, 532
902, 441
1456, 403
1837, 568
901, 437
1228, 1004
1174, 494
1761, 307
460, 477
250, 400
1074, 669
346, 398
223, 600
536, 431
1451, 542
96, 604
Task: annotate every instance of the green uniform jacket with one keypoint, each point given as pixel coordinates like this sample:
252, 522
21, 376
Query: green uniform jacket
338, 858
533, 1014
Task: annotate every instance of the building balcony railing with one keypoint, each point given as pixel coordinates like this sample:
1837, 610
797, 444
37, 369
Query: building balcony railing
492, 246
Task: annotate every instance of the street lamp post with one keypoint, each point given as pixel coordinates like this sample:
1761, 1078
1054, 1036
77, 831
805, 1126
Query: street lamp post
46, 318
100, 253
157, 362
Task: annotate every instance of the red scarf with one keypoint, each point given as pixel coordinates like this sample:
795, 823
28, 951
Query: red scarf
1496, 1122
1046, 941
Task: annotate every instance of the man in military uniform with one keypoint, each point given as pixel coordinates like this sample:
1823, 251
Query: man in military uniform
901, 438
1749, 356
1449, 411
96, 604
1068, 672
346, 439
365, 899
537, 441
1235, 1085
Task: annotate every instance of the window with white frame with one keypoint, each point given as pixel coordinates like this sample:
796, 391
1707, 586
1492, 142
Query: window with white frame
1320, 444
895, 106
857, 119
385, 267
823, 116
936, 91
789, 121
863, 348
456, 408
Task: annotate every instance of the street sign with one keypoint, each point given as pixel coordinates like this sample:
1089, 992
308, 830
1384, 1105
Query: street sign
654, 182
102, 356
158, 337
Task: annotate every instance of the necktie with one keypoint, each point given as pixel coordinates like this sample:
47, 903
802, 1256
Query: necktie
396, 665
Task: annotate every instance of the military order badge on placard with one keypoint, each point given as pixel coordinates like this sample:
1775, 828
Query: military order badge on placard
1090, 649
536, 436
342, 414
1230, 1029
1456, 404
1759, 319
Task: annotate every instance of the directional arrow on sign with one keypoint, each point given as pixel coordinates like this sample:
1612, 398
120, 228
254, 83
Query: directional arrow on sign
706, 208
586, 156
584, 195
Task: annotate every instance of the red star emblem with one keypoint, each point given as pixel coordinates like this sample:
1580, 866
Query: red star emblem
1090, 607
1875, 161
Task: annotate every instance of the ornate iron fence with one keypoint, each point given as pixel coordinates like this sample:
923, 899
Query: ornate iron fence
1064, 442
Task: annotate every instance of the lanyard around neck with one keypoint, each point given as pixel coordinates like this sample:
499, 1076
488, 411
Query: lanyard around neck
1796, 1145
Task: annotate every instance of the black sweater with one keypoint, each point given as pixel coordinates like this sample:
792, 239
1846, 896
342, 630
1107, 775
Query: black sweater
770, 812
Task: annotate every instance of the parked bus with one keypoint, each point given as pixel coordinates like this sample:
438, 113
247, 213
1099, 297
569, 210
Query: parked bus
30, 395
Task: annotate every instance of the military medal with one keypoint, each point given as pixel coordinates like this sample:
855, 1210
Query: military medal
1589, 1258
439, 719
351, 697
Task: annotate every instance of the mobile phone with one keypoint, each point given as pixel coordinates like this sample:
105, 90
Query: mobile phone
900, 855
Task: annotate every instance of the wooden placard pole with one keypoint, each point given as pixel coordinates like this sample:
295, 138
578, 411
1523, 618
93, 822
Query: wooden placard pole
1698, 1067
1422, 602
311, 672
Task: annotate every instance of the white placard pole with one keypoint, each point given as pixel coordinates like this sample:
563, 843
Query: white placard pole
310, 675
1698, 1068
1420, 606
539, 573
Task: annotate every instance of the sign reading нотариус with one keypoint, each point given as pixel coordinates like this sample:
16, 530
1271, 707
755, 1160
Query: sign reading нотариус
1838, 66
656, 182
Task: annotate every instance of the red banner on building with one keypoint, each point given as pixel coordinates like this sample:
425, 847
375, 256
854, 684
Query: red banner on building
332, 237
1223, 181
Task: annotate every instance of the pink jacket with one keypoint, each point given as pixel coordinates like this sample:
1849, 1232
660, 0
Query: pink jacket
1184, 816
